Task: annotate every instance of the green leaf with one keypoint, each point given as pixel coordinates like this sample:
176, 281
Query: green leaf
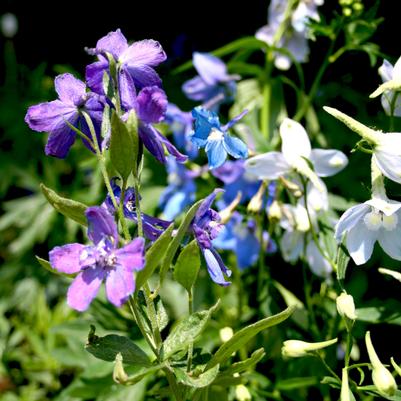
175, 243
187, 267
387, 312
141, 373
186, 331
154, 255
339, 203
203, 380
106, 123
68, 207
241, 337
342, 261
296, 382
106, 348
161, 313
123, 154
46, 264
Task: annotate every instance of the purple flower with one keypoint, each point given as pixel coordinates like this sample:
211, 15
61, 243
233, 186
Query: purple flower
134, 62
213, 84
102, 261
206, 227
152, 226
52, 116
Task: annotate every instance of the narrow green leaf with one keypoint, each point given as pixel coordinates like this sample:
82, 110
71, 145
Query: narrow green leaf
68, 207
296, 382
187, 267
175, 243
387, 312
154, 255
203, 380
241, 337
46, 264
141, 373
342, 261
161, 313
132, 126
122, 147
247, 364
106, 123
106, 348
186, 331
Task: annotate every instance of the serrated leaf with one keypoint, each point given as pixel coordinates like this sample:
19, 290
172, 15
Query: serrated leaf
154, 255
123, 154
175, 243
68, 207
242, 336
203, 380
46, 264
187, 266
186, 331
107, 347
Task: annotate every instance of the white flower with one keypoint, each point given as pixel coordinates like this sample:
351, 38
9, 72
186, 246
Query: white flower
346, 306
378, 219
392, 273
297, 348
295, 151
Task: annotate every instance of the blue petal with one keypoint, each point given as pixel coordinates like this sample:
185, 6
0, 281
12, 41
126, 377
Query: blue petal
216, 267
216, 153
205, 121
247, 251
235, 147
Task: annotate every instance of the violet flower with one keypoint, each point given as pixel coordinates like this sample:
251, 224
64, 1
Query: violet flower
206, 227
135, 61
99, 262
213, 84
152, 226
52, 117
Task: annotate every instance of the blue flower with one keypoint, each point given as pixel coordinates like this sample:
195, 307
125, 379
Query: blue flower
181, 190
206, 227
211, 135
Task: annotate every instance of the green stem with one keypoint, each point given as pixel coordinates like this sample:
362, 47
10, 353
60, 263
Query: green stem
308, 301
348, 347
138, 207
191, 345
173, 384
121, 212
329, 369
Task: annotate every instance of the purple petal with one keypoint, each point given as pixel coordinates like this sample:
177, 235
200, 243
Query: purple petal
131, 257
114, 43
145, 52
216, 267
70, 89
152, 104
83, 126
60, 141
45, 117
230, 171
120, 284
172, 150
65, 259
143, 75
127, 90
151, 140
101, 224
207, 203
84, 288
94, 75
234, 120
197, 89
210, 68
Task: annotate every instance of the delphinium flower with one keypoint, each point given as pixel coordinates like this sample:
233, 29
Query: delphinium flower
180, 123
134, 62
54, 117
295, 149
294, 38
102, 261
206, 227
213, 85
180, 191
214, 137
153, 227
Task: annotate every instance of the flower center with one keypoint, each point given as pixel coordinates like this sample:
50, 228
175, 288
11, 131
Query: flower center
375, 220
215, 135
110, 259
130, 205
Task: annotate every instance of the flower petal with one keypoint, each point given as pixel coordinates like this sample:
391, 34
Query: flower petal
317, 263
291, 245
151, 139
127, 90
360, 242
114, 43
143, 75
350, 218
235, 147
234, 121
271, 166
197, 89
94, 75
387, 206
216, 267
60, 141
397, 70
390, 241
205, 121
295, 140
120, 284
152, 104
388, 155
247, 250
144, 52
131, 257
216, 153
327, 162
101, 224
84, 288
386, 71
211, 69
65, 259
69, 89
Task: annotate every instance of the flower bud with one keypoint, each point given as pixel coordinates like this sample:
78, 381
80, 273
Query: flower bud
9, 25
225, 334
345, 393
297, 348
392, 273
119, 375
381, 376
226, 213
274, 211
395, 366
242, 393
256, 203
291, 186
346, 306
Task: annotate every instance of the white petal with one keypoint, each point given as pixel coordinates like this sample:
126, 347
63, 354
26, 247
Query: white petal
350, 218
387, 206
390, 240
291, 245
295, 141
387, 155
397, 70
269, 165
386, 71
317, 200
317, 263
360, 242
328, 162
